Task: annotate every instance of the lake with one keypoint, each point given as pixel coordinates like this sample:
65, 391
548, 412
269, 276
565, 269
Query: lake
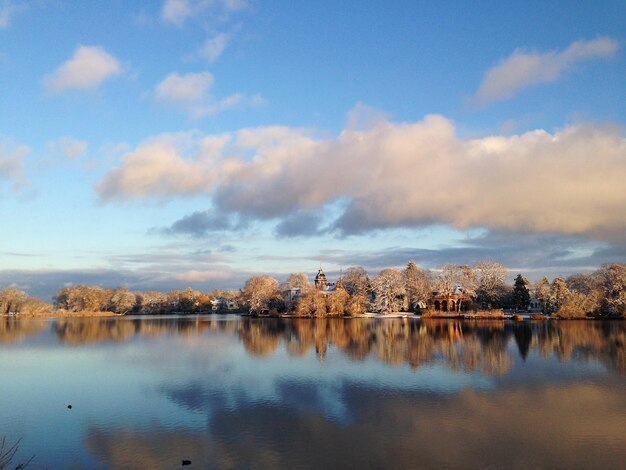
238, 392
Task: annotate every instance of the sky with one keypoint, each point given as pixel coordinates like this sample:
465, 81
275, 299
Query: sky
174, 143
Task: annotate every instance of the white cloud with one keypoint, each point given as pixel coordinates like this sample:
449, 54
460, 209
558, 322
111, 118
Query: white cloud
213, 47
524, 69
12, 164
85, 70
178, 11
175, 11
192, 93
184, 89
157, 168
394, 175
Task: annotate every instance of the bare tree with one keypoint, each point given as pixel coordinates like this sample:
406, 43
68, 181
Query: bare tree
7, 452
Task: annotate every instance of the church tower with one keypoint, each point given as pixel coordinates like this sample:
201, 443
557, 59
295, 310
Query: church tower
320, 280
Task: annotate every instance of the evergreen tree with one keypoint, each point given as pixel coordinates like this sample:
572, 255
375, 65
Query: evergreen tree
521, 295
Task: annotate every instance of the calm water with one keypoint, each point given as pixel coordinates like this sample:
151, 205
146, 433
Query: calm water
231, 392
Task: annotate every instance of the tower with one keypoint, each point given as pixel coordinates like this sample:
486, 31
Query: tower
320, 280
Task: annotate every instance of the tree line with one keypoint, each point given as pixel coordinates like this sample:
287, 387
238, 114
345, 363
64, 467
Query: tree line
482, 286
120, 300
601, 294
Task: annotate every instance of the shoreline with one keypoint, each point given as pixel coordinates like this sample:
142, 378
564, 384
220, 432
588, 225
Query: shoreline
520, 317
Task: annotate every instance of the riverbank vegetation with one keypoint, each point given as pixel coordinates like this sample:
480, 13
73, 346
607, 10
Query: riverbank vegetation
479, 289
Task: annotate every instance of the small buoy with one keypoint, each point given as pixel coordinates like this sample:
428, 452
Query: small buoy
186, 462
69, 407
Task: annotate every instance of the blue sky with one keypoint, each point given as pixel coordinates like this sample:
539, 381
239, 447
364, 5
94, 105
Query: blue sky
197, 142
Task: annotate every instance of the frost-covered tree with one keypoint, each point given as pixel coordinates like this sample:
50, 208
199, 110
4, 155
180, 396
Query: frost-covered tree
122, 301
453, 276
259, 291
297, 280
81, 298
613, 281
11, 301
447, 279
312, 304
416, 284
151, 303
356, 282
541, 292
389, 290
558, 293
491, 277
576, 305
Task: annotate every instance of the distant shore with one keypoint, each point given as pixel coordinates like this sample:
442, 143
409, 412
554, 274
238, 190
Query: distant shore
481, 315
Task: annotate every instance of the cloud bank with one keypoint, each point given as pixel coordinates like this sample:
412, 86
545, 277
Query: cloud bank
523, 69
87, 69
393, 175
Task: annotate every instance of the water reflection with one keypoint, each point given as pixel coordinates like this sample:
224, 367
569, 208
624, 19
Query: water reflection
463, 345
13, 329
239, 392
516, 428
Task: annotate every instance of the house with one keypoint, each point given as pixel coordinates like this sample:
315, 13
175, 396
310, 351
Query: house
452, 302
221, 304
292, 294
535, 305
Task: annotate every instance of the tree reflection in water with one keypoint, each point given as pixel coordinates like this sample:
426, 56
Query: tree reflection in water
227, 397
463, 345
14, 329
478, 345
